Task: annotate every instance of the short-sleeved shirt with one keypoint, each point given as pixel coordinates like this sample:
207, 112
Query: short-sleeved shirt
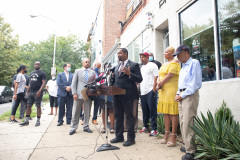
22, 83
148, 71
36, 78
52, 87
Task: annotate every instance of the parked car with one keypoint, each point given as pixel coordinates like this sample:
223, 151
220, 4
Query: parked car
5, 94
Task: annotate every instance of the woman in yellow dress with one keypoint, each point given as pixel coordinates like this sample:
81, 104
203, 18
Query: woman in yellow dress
168, 86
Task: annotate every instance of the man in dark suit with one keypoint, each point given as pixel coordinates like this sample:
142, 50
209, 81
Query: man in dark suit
64, 93
125, 76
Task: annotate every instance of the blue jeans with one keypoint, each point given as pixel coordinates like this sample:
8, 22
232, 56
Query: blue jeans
149, 109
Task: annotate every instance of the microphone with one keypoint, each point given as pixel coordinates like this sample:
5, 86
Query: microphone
98, 79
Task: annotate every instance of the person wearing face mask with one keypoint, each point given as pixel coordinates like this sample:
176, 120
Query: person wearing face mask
64, 93
151, 59
18, 96
23, 105
52, 90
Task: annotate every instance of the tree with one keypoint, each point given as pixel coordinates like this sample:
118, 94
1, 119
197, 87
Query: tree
8, 53
68, 50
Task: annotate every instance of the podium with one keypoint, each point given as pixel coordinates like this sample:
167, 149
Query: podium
105, 90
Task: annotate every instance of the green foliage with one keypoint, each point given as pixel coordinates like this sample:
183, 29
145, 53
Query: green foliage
216, 138
8, 53
160, 123
224, 110
45, 97
68, 50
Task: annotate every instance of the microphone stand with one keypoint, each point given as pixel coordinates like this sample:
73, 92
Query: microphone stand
106, 146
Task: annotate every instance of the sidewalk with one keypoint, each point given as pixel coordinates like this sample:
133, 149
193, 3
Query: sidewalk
50, 142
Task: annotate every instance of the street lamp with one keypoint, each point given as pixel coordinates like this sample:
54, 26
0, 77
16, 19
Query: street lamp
53, 70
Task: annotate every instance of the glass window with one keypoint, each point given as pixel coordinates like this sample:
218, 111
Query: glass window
137, 49
229, 28
197, 32
130, 51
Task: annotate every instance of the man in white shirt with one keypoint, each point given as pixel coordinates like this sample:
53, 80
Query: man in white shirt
149, 71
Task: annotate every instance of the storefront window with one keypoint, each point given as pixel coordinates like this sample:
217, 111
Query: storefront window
134, 49
136, 46
130, 51
197, 32
229, 28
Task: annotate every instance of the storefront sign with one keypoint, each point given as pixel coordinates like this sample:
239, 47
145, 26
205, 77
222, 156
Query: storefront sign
196, 45
161, 2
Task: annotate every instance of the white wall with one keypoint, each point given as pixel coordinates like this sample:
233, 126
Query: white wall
212, 93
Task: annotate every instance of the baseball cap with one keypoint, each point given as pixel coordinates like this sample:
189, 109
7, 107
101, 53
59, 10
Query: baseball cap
181, 48
145, 54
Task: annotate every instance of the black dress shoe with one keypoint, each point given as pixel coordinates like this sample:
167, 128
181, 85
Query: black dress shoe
87, 130
72, 132
59, 124
68, 122
128, 143
182, 149
116, 140
188, 156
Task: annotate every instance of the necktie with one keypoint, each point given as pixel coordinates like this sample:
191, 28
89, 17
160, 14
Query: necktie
120, 68
86, 75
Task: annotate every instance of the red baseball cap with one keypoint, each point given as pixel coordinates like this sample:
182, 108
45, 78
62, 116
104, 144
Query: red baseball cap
145, 54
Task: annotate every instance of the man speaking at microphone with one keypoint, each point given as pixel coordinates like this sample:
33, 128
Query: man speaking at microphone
81, 77
125, 76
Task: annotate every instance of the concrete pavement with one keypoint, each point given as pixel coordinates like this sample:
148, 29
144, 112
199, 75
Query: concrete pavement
50, 142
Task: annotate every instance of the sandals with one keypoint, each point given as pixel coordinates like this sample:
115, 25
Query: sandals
164, 141
103, 130
112, 131
172, 144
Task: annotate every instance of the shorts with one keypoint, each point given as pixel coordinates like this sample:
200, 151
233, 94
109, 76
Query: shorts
31, 98
53, 101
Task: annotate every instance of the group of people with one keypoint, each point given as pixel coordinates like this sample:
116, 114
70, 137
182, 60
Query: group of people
28, 90
178, 92
170, 90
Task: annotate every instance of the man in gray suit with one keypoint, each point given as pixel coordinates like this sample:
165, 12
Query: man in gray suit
81, 77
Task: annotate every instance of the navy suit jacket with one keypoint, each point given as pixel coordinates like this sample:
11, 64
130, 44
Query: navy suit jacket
62, 83
123, 81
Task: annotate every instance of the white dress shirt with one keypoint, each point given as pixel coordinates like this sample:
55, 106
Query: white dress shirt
190, 77
67, 75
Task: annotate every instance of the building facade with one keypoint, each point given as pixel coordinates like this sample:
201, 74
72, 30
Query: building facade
211, 28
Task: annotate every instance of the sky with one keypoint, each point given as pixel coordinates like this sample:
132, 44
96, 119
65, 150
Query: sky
68, 17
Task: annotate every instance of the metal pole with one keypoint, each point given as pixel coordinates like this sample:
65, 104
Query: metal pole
106, 119
54, 51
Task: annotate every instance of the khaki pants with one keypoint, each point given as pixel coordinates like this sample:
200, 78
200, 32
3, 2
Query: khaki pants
187, 112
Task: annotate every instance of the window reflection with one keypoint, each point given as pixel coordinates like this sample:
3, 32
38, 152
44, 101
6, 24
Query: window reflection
197, 32
229, 25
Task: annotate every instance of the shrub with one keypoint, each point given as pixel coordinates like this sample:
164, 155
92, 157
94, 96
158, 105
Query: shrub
216, 138
224, 109
160, 123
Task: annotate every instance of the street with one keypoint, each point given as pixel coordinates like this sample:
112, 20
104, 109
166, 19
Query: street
5, 107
